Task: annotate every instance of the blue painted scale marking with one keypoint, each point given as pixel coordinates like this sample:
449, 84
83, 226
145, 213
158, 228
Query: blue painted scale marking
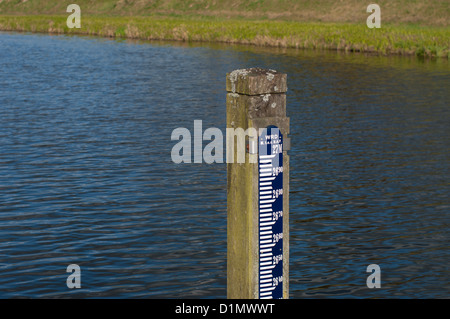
270, 168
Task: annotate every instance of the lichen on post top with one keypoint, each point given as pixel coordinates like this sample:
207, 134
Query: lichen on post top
256, 81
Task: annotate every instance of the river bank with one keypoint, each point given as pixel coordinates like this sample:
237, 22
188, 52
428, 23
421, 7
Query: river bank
430, 41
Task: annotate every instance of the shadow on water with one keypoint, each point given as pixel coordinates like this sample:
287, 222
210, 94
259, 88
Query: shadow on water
86, 175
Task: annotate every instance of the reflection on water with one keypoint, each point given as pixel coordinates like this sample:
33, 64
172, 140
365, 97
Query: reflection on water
86, 175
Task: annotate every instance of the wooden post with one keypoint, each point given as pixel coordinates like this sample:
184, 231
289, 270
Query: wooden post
256, 99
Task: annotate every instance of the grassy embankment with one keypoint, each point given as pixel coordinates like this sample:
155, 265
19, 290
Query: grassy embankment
287, 23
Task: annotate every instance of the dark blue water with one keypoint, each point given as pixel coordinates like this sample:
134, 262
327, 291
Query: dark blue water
86, 175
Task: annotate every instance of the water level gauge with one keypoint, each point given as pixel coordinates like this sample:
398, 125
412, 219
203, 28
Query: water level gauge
270, 213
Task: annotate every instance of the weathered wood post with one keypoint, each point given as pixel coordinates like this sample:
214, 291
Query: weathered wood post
258, 185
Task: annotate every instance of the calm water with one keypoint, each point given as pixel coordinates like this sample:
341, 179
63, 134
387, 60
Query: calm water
86, 175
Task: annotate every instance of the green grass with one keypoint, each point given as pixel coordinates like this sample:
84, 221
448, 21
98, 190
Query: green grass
399, 12
408, 27
390, 39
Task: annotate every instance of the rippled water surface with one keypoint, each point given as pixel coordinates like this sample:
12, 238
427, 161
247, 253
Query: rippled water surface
86, 175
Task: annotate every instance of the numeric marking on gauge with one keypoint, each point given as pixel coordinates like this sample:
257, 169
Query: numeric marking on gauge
270, 214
